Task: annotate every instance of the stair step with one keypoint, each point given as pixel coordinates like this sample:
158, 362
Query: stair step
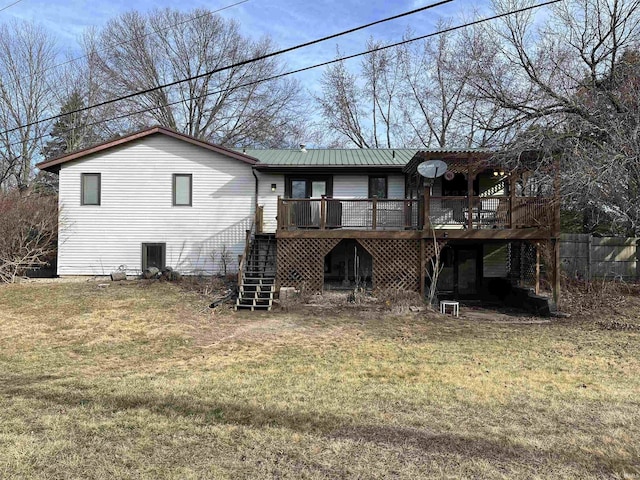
250, 296
254, 302
257, 288
259, 280
253, 308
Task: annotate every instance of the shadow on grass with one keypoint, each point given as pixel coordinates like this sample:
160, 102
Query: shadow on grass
8, 382
430, 443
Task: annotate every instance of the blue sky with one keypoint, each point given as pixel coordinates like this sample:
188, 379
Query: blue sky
288, 22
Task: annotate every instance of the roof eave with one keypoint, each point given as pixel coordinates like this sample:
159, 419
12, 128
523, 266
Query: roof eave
277, 168
48, 165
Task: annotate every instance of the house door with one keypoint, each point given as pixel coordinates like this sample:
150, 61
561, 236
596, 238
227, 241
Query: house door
460, 274
314, 187
467, 271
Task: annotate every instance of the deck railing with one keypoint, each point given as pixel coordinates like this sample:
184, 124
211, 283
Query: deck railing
474, 212
408, 214
356, 214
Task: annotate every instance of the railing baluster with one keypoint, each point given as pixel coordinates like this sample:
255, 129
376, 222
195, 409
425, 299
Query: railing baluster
374, 213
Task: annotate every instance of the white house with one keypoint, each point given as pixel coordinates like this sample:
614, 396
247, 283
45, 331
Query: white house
318, 217
152, 198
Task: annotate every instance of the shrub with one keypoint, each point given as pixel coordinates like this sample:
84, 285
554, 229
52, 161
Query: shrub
28, 231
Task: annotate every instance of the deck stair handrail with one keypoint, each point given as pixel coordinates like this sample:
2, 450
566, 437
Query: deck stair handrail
245, 254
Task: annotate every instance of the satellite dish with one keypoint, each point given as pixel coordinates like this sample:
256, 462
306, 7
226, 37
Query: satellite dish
432, 168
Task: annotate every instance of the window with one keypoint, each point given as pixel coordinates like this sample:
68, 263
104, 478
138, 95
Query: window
182, 183
309, 186
153, 255
90, 194
378, 187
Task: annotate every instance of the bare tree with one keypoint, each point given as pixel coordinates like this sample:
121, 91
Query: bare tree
417, 94
382, 71
570, 86
136, 52
27, 54
434, 268
437, 102
342, 106
29, 222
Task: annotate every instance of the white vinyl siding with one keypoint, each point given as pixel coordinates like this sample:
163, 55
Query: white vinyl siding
269, 199
357, 186
137, 207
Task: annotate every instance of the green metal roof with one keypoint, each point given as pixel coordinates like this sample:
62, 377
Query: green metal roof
345, 157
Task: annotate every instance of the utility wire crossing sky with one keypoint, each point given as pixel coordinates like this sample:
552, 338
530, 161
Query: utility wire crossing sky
289, 49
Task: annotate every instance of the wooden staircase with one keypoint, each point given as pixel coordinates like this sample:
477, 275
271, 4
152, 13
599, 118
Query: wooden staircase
257, 288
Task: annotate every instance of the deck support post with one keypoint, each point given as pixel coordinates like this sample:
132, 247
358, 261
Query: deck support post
426, 210
345, 281
423, 267
470, 179
374, 213
537, 286
512, 197
323, 212
555, 242
556, 232
279, 216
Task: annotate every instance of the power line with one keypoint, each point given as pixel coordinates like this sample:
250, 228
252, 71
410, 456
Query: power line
299, 70
229, 67
10, 5
124, 42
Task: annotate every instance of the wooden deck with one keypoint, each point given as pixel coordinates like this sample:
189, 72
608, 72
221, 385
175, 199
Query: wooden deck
451, 217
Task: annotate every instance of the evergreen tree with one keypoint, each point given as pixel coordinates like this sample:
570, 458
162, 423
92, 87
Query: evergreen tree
69, 132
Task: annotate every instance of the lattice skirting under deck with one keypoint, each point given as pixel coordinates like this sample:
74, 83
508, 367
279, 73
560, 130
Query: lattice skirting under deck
396, 263
301, 262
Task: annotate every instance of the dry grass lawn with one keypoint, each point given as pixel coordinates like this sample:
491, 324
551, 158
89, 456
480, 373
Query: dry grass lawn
140, 381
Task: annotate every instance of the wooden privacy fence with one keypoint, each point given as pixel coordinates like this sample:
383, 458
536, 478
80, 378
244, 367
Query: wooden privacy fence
586, 257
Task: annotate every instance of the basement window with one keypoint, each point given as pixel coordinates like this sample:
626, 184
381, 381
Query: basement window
154, 255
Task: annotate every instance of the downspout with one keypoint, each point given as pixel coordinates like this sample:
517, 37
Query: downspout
255, 207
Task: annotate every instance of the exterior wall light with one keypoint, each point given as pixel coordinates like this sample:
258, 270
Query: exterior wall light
273, 187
